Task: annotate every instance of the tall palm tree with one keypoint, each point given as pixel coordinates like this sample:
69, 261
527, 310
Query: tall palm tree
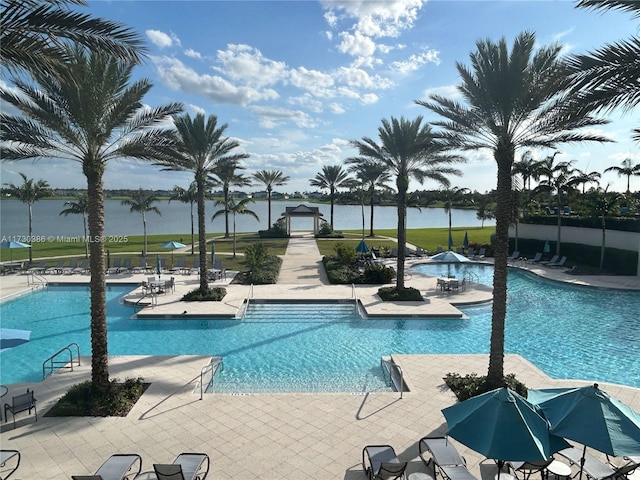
608, 77
604, 204
224, 175
79, 207
512, 100
627, 169
451, 196
270, 178
526, 168
409, 150
29, 192
587, 177
142, 201
88, 113
236, 207
34, 34
190, 196
331, 178
371, 176
199, 145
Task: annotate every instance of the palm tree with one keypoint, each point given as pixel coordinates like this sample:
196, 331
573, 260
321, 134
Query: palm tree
628, 169
88, 113
409, 150
451, 196
198, 146
584, 178
371, 177
190, 196
79, 207
142, 201
34, 35
331, 178
608, 78
604, 204
236, 207
270, 178
515, 100
526, 167
29, 192
224, 175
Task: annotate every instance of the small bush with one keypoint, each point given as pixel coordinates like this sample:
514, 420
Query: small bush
265, 274
472, 385
393, 294
82, 401
278, 230
211, 295
379, 274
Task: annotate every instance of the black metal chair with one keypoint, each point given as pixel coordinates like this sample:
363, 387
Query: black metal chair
21, 403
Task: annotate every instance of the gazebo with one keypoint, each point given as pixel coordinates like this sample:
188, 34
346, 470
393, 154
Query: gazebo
302, 211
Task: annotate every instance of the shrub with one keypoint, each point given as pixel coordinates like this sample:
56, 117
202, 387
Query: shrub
255, 255
393, 294
266, 273
81, 400
278, 230
472, 385
339, 273
212, 295
326, 231
345, 254
378, 274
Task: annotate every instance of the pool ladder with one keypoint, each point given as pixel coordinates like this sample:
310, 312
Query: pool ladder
395, 374
471, 276
208, 373
51, 363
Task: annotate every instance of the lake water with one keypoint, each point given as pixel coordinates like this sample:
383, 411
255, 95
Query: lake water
175, 218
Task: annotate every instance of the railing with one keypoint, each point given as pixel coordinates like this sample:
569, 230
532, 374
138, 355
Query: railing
353, 291
51, 363
471, 276
396, 375
209, 372
34, 276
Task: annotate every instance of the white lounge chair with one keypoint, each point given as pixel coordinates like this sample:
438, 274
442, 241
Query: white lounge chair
186, 466
444, 457
536, 258
119, 466
558, 264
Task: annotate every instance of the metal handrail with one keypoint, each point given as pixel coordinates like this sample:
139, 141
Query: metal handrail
214, 364
353, 291
59, 363
35, 276
391, 367
471, 276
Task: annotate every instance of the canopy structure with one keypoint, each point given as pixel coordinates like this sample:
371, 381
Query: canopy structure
302, 211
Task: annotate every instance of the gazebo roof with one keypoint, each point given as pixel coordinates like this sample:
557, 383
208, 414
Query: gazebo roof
302, 211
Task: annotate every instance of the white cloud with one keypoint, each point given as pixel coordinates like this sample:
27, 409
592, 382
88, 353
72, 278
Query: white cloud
248, 65
192, 53
415, 61
336, 108
369, 98
447, 91
270, 117
356, 45
161, 39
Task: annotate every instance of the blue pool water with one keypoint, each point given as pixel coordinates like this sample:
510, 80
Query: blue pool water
568, 332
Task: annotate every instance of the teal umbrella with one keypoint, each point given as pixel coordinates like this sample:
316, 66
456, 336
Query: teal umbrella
158, 265
173, 245
362, 247
10, 244
465, 242
503, 426
547, 247
592, 418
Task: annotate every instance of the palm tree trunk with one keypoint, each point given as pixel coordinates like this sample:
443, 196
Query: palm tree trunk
86, 241
202, 235
99, 350
402, 234
144, 233
268, 208
192, 234
495, 374
371, 216
604, 241
332, 190
226, 212
559, 226
30, 231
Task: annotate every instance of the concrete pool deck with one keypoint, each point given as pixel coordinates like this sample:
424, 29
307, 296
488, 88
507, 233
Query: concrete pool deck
266, 436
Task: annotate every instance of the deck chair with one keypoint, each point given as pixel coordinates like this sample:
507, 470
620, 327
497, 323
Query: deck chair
595, 469
554, 259
119, 466
116, 265
21, 403
55, 269
39, 268
514, 256
558, 264
179, 266
8, 457
73, 264
471, 252
83, 267
444, 457
480, 254
141, 267
536, 258
186, 466
380, 462
126, 265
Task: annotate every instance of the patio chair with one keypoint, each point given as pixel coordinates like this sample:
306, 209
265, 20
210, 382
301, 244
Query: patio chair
83, 267
529, 468
186, 466
480, 254
380, 462
57, 269
445, 458
39, 268
117, 263
514, 256
554, 259
558, 264
21, 403
593, 468
73, 264
126, 265
179, 266
141, 267
471, 252
7, 456
119, 466
536, 258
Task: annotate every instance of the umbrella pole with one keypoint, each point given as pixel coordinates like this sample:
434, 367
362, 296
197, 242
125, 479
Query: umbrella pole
582, 460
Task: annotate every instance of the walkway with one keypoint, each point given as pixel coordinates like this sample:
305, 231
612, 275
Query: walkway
302, 262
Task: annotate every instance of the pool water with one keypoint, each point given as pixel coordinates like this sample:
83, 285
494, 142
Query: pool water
568, 332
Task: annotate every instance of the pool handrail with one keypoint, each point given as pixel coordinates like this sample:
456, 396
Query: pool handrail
214, 364
61, 364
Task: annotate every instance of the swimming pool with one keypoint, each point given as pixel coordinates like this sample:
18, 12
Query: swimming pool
277, 349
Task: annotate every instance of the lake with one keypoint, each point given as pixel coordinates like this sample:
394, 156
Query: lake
175, 218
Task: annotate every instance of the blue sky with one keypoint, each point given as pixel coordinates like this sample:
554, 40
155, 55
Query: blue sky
296, 80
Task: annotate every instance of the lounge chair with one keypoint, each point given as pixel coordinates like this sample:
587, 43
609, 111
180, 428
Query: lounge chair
126, 265
57, 269
439, 249
119, 466
179, 267
7, 456
536, 258
471, 252
594, 468
186, 466
554, 259
445, 458
514, 256
117, 264
83, 268
21, 403
558, 264
480, 254
380, 462
142, 266
460, 250
421, 252
39, 268
73, 264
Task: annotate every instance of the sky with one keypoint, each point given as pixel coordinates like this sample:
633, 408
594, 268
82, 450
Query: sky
296, 81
